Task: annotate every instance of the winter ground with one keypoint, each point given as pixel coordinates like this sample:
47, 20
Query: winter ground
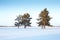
13, 33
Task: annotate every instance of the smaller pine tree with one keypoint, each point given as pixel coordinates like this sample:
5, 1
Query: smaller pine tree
18, 21
23, 20
26, 20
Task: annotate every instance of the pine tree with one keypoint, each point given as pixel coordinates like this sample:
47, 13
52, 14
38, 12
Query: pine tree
44, 18
26, 20
23, 20
18, 21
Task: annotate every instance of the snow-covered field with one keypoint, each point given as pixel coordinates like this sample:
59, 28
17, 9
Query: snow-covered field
13, 33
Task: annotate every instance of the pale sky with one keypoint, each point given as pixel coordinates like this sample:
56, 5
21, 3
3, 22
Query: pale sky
9, 9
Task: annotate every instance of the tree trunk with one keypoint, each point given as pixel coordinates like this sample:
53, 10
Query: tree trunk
24, 26
18, 26
44, 24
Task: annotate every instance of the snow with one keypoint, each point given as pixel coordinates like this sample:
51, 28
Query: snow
13, 33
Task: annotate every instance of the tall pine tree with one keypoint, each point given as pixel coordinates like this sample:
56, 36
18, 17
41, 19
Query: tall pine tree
44, 18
